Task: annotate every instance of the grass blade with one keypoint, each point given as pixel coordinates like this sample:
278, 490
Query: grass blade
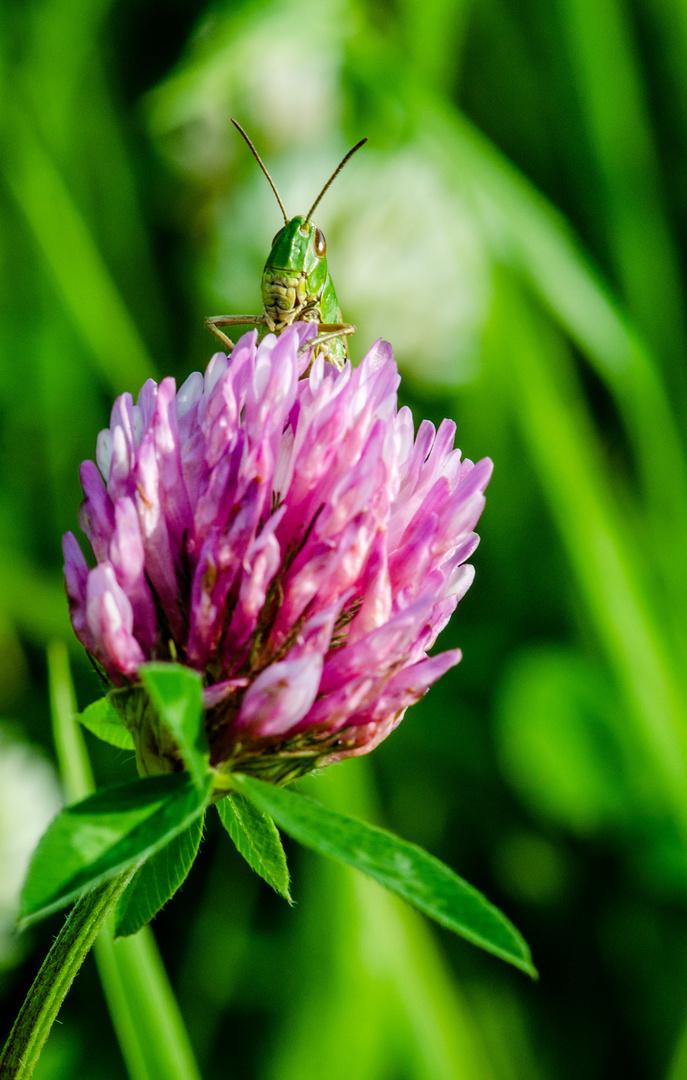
84, 282
607, 567
609, 83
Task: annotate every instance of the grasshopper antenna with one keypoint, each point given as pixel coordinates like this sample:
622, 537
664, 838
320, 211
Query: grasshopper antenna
271, 181
333, 177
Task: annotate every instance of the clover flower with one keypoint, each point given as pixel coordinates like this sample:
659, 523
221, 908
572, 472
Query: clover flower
277, 526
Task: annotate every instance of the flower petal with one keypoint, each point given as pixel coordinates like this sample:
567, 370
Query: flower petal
280, 696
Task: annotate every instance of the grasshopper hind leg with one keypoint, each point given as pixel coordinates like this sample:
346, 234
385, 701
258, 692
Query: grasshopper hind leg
330, 332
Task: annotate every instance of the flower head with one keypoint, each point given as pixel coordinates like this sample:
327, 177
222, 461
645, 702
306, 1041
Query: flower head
281, 529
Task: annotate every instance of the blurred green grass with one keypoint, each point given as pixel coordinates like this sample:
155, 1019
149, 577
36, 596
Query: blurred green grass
516, 228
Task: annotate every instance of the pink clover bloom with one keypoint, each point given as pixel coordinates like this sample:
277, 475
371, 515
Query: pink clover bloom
282, 530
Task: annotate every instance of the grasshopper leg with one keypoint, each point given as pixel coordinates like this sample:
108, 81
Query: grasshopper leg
215, 321
326, 332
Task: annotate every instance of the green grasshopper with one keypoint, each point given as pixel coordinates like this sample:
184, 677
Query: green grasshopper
296, 283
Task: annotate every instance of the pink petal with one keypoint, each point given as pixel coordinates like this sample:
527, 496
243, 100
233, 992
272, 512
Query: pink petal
76, 581
110, 621
96, 515
280, 696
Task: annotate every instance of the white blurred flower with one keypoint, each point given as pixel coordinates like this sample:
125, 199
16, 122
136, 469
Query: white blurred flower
29, 799
278, 72
410, 264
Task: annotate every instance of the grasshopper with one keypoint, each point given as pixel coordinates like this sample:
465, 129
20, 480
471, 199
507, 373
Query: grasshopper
296, 283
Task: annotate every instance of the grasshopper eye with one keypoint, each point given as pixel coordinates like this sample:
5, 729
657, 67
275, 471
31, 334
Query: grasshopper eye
320, 243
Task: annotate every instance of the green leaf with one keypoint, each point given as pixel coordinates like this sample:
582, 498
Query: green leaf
176, 693
96, 838
102, 719
400, 866
256, 837
157, 880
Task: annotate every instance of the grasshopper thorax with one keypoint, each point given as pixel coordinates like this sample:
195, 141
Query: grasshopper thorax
295, 274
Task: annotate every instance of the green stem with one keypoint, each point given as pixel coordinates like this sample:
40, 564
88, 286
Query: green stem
144, 1011
55, 977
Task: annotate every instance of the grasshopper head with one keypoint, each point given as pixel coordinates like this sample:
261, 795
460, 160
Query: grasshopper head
300, 247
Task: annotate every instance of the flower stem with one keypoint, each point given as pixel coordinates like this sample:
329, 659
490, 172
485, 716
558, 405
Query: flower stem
50, 987
144, 1011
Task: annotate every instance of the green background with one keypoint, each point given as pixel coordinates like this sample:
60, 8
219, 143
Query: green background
516, 228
